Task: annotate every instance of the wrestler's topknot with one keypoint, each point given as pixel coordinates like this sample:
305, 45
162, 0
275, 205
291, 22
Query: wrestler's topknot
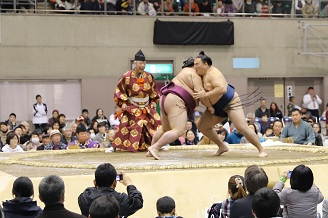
205, 58
188, 63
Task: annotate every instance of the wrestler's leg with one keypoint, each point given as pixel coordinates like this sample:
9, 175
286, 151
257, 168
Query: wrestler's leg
237, 116
177, 119
205, 125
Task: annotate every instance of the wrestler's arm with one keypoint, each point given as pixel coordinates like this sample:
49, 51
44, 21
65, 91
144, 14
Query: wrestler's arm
219, 87
198, 85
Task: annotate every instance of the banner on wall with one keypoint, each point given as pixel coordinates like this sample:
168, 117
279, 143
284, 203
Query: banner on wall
193, 33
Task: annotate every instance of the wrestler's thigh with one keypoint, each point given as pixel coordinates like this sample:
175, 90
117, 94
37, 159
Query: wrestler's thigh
236, 114
164, 119
176, 112
208, 120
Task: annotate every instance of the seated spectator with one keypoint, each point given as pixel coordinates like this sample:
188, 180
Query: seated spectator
239, 5
167, 8
236, 190
301, 131
205, 7
264, 123
278, 8
52, 194
274, 111
100, 117
190, 138
262, 8
265, 203
26, 135
86, 118
94, 126
55, 144
292, 105
277, 127
156, 4
92, 133
166, 208
234, 137
250, 8
55, 117
309, 10
219, 10
22, 205
302, 198
317, 134
146, 8
83, 140
194, 10
45, 140
92, 6
34, 142
243, 140
104, 185
250, 117
62, 119
3, 133
268, 132
12, 144
109, 141
255, 178
229, 8
67, 136
104, 207
101, 136
56, 125
11, 122
19, 131
73, 127
223, 133
124, 7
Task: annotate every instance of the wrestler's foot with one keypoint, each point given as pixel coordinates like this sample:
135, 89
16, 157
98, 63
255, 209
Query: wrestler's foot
262, 154
221, 150
148, 154
153, 152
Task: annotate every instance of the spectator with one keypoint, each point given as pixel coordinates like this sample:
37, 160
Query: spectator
317, 134
55, 117
277, 127
109, 141
229, 8
324, 113
243, 140
255, 178
300, 130
194, 10
292, 105
298, 7
115, 122
302, 198
236, 190
86, 118
146, 8
105, 183
262, 8
40, 111
311, 100
22, 205
250, 117
56, 144
19, 131
278, 8
67, 136
92, 133
156, 4
264, 123
12, 144
73, 128
52, 194
11, 122
223, 133
234, 137
34, 142
62, 119
167, 8
83, 140
219, 10
26, 132
56, 125
262, 109
190, 138
104, 206
265, 203
239, 5
4, 131
250, 7
205, 7
94, 126
309, 10
45, 140
274, 111
124, 7
100, 117
92, 6
268, 132
101, 136
166, 208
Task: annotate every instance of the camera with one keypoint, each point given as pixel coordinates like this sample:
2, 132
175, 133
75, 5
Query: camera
289, 174
119, 177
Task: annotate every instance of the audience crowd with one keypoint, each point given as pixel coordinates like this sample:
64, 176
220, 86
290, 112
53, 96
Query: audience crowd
258, 8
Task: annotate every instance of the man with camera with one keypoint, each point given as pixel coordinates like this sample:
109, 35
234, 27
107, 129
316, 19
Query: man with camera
105, 182
312, 102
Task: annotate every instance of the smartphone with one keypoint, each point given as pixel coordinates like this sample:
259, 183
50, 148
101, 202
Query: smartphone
119, 177
289, 174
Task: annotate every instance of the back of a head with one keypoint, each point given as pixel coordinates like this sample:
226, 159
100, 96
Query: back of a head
165, 205
23, 187
51, 190
104, 207
188, 63
255, 178
237, 187
301, 178
105, 175
265, 203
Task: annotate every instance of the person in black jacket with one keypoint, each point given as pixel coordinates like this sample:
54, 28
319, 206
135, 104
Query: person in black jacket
22, 206
105, 182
